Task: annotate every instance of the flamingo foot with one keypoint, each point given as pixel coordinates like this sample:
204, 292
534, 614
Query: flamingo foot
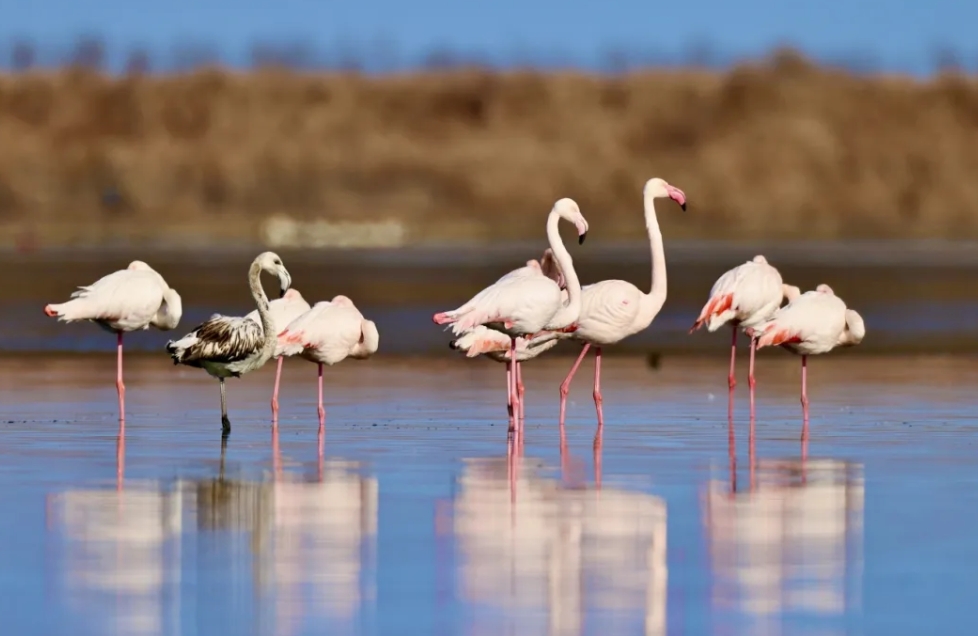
49, 311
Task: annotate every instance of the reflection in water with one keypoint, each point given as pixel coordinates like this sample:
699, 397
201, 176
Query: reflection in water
121, 554
306, 539
526, 543
789, 542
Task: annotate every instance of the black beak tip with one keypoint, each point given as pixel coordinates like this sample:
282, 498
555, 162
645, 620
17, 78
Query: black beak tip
281, 292
580, 239
683, 206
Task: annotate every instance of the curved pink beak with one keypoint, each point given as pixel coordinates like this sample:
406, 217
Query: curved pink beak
677, 195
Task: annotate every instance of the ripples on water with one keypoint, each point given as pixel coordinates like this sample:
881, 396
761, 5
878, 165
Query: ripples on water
415, 515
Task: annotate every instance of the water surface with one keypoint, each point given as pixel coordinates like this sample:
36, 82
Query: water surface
417, 515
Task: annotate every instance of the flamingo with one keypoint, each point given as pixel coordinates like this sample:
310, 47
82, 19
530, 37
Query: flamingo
481, 340
126, 300
526, 301
612, 310
329, 332
744, 297
283, 311
815, 322
230, 346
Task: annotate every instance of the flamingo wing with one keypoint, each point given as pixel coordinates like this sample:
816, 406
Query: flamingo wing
610, 307
220, 339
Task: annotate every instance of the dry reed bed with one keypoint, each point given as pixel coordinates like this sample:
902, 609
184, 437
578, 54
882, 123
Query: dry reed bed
781, 148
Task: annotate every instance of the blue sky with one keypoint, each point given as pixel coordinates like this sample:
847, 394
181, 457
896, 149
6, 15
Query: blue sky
900, 34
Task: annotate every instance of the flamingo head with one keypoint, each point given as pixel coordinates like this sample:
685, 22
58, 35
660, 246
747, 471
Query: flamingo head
140, 266
342, 301
568, 210
759, 259
825, 289
272, 263
656, 188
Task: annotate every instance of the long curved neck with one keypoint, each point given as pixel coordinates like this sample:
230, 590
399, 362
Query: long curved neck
169, 313
568, 312
261, 300
656, 297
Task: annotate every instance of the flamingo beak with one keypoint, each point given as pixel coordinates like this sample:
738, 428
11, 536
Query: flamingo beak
581, 231
284, 282
677, 195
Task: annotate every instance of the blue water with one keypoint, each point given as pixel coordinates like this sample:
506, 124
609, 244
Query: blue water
420, 518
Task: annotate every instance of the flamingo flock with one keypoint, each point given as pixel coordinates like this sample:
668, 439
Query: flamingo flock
525, 313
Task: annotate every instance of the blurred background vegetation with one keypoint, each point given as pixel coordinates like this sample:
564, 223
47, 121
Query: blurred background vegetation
302, 151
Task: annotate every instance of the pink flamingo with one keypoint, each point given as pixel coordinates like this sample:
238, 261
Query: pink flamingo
744, 297
612, 310
481, 340
282, 311
329, 332
126, 300
815, 322
526, 301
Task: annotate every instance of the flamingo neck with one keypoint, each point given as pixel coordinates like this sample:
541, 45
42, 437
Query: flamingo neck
653, 301
264, 314
168, 315
568, 312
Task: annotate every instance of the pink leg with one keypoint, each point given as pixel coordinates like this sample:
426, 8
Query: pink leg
750, 374
598, 400
321, 409
118, 382
804, 396
513, 397
731, 380
520, 391
278, 377
509, 398
565, 385
598, 443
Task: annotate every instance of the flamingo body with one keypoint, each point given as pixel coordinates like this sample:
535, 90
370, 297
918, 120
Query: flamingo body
814, 323
496, 345
745, 296
126, 300
330, 332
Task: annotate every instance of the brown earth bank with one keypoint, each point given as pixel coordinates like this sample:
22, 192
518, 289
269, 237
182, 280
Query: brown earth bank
778, 149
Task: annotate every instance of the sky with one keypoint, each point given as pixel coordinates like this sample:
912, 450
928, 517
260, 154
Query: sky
900, 35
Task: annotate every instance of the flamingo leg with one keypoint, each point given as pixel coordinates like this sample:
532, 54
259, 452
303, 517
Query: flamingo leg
731, 380
320, 409
278, 377
509, 398
118, 379
565, 385
750, 374
520, 390
598, 400
225, 422
804, 396
513, 397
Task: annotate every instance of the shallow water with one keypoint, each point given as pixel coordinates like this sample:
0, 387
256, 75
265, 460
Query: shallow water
419, 517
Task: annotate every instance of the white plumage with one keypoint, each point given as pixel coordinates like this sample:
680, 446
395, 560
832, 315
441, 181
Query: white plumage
126, 300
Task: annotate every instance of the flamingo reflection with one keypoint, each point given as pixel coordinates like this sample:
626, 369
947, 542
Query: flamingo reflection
550, 556
121, 550
309, 537
790, 542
